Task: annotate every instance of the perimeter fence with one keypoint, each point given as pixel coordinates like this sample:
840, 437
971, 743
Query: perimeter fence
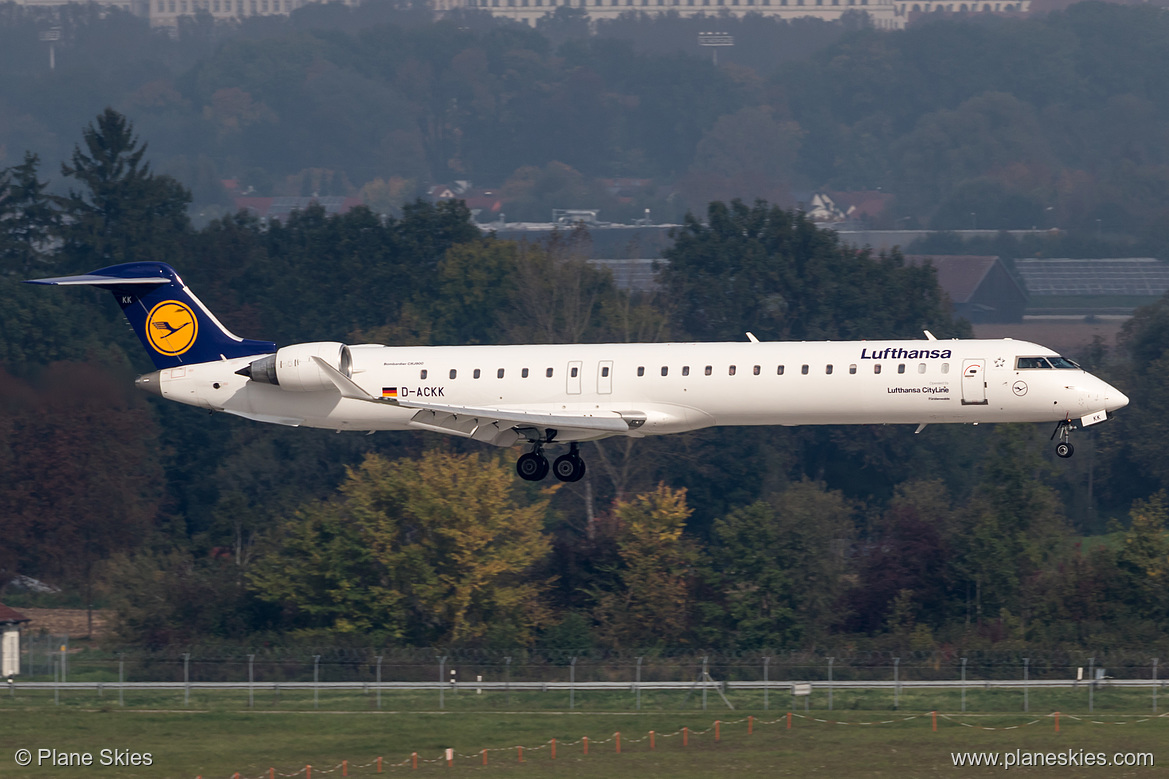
436, 678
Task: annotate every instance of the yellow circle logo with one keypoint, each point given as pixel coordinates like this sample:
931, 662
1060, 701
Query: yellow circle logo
171, 327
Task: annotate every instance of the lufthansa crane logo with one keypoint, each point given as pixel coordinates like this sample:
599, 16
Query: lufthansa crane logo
171, 327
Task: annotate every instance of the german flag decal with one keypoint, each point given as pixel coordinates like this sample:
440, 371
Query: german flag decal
389, 392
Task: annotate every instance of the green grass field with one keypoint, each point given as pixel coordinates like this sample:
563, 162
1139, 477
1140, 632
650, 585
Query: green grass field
219, 736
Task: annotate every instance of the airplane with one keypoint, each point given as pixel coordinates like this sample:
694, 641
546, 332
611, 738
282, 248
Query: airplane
564, 394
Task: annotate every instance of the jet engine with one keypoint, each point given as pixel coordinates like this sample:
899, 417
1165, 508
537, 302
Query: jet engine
293, 367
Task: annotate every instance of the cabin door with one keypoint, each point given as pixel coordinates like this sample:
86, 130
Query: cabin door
605, 377
974, 383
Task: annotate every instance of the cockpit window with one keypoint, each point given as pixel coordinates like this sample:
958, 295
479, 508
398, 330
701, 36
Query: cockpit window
1023, 363
1063, 362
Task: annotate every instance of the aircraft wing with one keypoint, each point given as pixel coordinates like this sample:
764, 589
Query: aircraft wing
494, 425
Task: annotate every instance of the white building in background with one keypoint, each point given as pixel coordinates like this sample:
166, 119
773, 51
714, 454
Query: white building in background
886, 14
166, 13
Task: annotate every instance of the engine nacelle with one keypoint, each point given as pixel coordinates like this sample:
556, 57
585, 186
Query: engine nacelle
293, 367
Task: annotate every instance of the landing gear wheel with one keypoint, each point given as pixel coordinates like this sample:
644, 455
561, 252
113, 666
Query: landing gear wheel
569, 467
1064, 429
532, 466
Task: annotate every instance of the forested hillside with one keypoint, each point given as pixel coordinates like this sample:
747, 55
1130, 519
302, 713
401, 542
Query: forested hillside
1054, 121
215, 528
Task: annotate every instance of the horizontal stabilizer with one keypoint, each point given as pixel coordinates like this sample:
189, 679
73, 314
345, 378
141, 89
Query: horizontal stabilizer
95, 280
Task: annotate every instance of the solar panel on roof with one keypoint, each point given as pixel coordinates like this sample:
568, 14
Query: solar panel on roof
1137, 276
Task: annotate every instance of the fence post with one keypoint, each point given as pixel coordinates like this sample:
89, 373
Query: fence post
1026, 678
617, 736
585, 740
251, 681
379, 681
705, 676
638, 686
441, 681
896, 682
1154, 685
831, 660
963, 685
186, 678
553, 749
766, 661
572, 684
122, 680
316, 680
717, 734
1091, 683
651, 740
507, 678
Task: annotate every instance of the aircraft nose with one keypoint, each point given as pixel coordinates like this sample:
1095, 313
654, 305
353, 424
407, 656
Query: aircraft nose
1112, 398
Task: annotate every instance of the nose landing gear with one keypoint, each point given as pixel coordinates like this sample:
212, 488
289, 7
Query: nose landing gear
1064, 429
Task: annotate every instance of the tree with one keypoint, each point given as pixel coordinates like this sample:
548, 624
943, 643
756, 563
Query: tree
773, 272
27, 218
79, 454
648, 599
123, 212
776, 569
438, 550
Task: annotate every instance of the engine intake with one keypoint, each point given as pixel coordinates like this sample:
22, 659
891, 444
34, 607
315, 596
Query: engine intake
293, 368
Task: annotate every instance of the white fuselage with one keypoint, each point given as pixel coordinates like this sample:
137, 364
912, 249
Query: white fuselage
675, 386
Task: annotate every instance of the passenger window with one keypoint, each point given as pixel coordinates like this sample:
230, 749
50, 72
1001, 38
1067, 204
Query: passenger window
945, 367
548, 373
731, 371
454, 373
709, 370
779, 371
804, 369
422, 374
476, 373
877, 368
605, 371
524, 373
757, 370
640, 370
901, 368
665, 370
921, 367
499, 373
828, 369
852, 368
685, 370
573, 373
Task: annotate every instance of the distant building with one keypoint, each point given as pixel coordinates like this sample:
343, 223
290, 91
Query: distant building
912, 8
981, 288
281, 207
1093, 286
166, 13
10, 622
883, 13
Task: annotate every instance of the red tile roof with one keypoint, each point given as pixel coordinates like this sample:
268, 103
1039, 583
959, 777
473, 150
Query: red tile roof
958, 275
10, 615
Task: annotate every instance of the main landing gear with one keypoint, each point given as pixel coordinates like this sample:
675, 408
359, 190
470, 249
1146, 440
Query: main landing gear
1064, 429
533, 466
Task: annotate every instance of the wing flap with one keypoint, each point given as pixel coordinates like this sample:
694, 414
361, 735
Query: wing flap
608, 421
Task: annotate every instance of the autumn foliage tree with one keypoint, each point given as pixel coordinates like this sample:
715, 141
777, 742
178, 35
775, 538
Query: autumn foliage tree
443, 549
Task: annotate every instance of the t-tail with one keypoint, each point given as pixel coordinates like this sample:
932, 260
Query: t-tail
174, 325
